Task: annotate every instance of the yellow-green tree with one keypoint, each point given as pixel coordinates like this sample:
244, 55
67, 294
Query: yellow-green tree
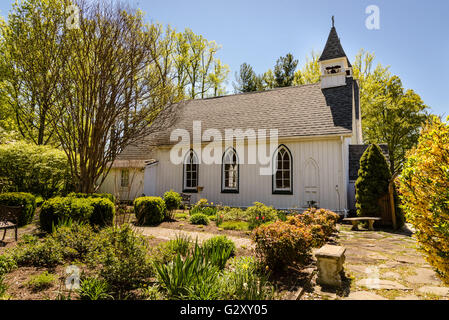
33, 56
424, 190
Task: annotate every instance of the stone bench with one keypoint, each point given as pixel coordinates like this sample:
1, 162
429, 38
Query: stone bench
355, 222
330, 261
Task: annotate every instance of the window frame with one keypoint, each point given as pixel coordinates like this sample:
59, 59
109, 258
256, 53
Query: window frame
276, 190
121, 178
184, 171
225, 189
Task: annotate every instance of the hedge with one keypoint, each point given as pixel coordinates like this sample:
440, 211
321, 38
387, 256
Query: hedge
149, 210
58, 209
27, 200
93, 195
104, 212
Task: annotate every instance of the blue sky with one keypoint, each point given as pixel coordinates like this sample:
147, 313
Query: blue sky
413, 37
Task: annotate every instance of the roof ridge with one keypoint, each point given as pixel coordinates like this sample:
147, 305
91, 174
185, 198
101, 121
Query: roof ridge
255, 92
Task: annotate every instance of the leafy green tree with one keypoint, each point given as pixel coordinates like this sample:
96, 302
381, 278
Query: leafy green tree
268, 81
372, 183
310, 73
198, 64
284, 71
246, 79
218, 78
33, 58
391, 115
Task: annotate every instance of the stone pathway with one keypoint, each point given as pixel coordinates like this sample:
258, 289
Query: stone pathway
384, 265
170, 234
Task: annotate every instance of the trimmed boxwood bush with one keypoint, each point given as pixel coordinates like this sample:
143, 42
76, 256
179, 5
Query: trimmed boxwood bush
172, 200
149, 210
93, 195
103, 213
59, 209
27, 200
199, 218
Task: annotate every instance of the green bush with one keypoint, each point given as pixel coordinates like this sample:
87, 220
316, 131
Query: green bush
181, 244
372, 182
41, 281
172, 200
46, 253
27, 200
260, 214
103, 212
202, 206
94, 289
40, 170
149, 210
58, 209
221, 242
193, 277
93, 195
124, 258
7, 264
3, 286
218, 250
199, 218
244, 281
233, 214
77, 240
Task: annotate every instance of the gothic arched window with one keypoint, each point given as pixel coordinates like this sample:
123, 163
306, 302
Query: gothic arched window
191, 167
230, 172
282, 176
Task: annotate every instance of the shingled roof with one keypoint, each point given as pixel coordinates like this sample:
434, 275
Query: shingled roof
333, 48
295, 111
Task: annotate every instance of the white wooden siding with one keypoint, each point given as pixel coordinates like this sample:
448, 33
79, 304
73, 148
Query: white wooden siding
112, 184
325, 153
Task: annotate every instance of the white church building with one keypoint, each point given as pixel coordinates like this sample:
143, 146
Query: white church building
316, 126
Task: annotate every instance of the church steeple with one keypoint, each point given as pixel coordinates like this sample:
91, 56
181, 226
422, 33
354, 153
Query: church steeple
335, 66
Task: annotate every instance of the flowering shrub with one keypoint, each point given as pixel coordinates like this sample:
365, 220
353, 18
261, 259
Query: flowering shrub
424, 190
259, 214
322, 217
281, 244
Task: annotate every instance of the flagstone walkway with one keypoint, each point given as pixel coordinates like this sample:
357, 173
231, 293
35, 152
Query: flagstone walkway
384, 265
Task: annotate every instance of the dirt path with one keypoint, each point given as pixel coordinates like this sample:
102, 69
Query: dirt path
170, 234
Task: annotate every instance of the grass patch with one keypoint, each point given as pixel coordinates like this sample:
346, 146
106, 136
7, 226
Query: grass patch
235, 225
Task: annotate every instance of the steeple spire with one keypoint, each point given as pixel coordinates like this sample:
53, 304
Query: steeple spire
333, 48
